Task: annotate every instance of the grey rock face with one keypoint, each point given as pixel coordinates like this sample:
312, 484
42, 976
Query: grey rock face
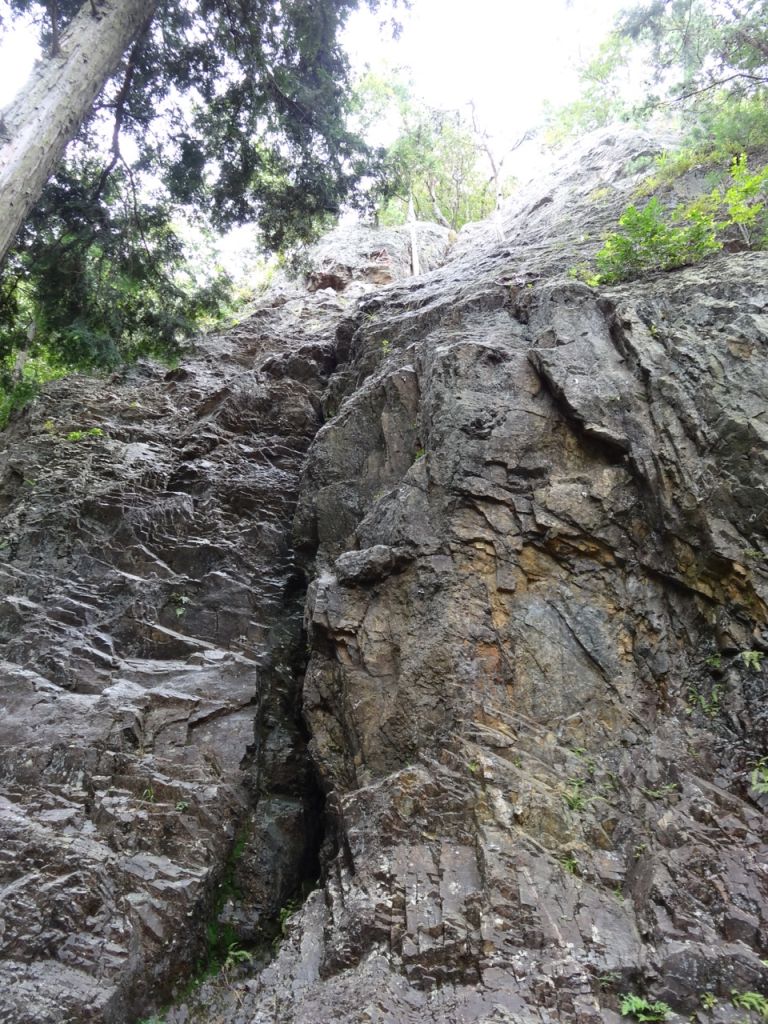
150, 622
364, 256
533, 521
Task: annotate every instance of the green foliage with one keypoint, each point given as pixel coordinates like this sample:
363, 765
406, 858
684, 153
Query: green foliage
755, 553
574, 796
641, 1009
287, 912
439, 158
93, 282
654, 238
570, 864
648, 241
16, 391
759, 777
235, 957
705, 63
660, 792
79, 435
753, 659
180, 602
708, 704
600, 99
753, 1001
436, 160
729, 123
608, 979
698, 47
219, 939
745, 203
237, 111
708, 1001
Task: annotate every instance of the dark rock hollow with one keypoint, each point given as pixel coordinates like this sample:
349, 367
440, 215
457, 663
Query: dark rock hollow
511, 747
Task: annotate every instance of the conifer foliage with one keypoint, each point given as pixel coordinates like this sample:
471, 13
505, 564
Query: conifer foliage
228, 111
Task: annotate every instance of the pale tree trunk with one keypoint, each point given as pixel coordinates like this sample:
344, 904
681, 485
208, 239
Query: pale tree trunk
483, 140
437, 213
47, 114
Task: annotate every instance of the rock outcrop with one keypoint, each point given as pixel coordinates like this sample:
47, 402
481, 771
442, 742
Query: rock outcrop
513, 752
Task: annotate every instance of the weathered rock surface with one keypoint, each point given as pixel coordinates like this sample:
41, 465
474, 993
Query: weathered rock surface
150, 617
532, 517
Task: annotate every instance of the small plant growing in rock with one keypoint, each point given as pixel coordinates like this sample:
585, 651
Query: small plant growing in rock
235, 957
753, 1001
708, 705
660, 791
573, 796
653, 238
180, 602
386, 346
79, 435
759, 778
708, 1001
649, 240
755, 554
286, 912
641, 1009
570, 864
752, 659
744, 201
608, 980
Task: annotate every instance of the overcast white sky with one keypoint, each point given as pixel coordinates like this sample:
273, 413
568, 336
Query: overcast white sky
509, 56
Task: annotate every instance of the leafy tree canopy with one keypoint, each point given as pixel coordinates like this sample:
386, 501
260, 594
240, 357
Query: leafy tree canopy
228, 111
601, 98
705, 62
439, 159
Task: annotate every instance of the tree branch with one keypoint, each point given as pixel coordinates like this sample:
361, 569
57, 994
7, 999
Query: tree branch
120, 101
720, 82
53, 12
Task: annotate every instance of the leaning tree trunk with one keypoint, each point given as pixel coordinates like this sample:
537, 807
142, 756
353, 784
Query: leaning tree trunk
36, 127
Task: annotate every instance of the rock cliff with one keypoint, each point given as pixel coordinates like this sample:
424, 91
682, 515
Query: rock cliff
400, 651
